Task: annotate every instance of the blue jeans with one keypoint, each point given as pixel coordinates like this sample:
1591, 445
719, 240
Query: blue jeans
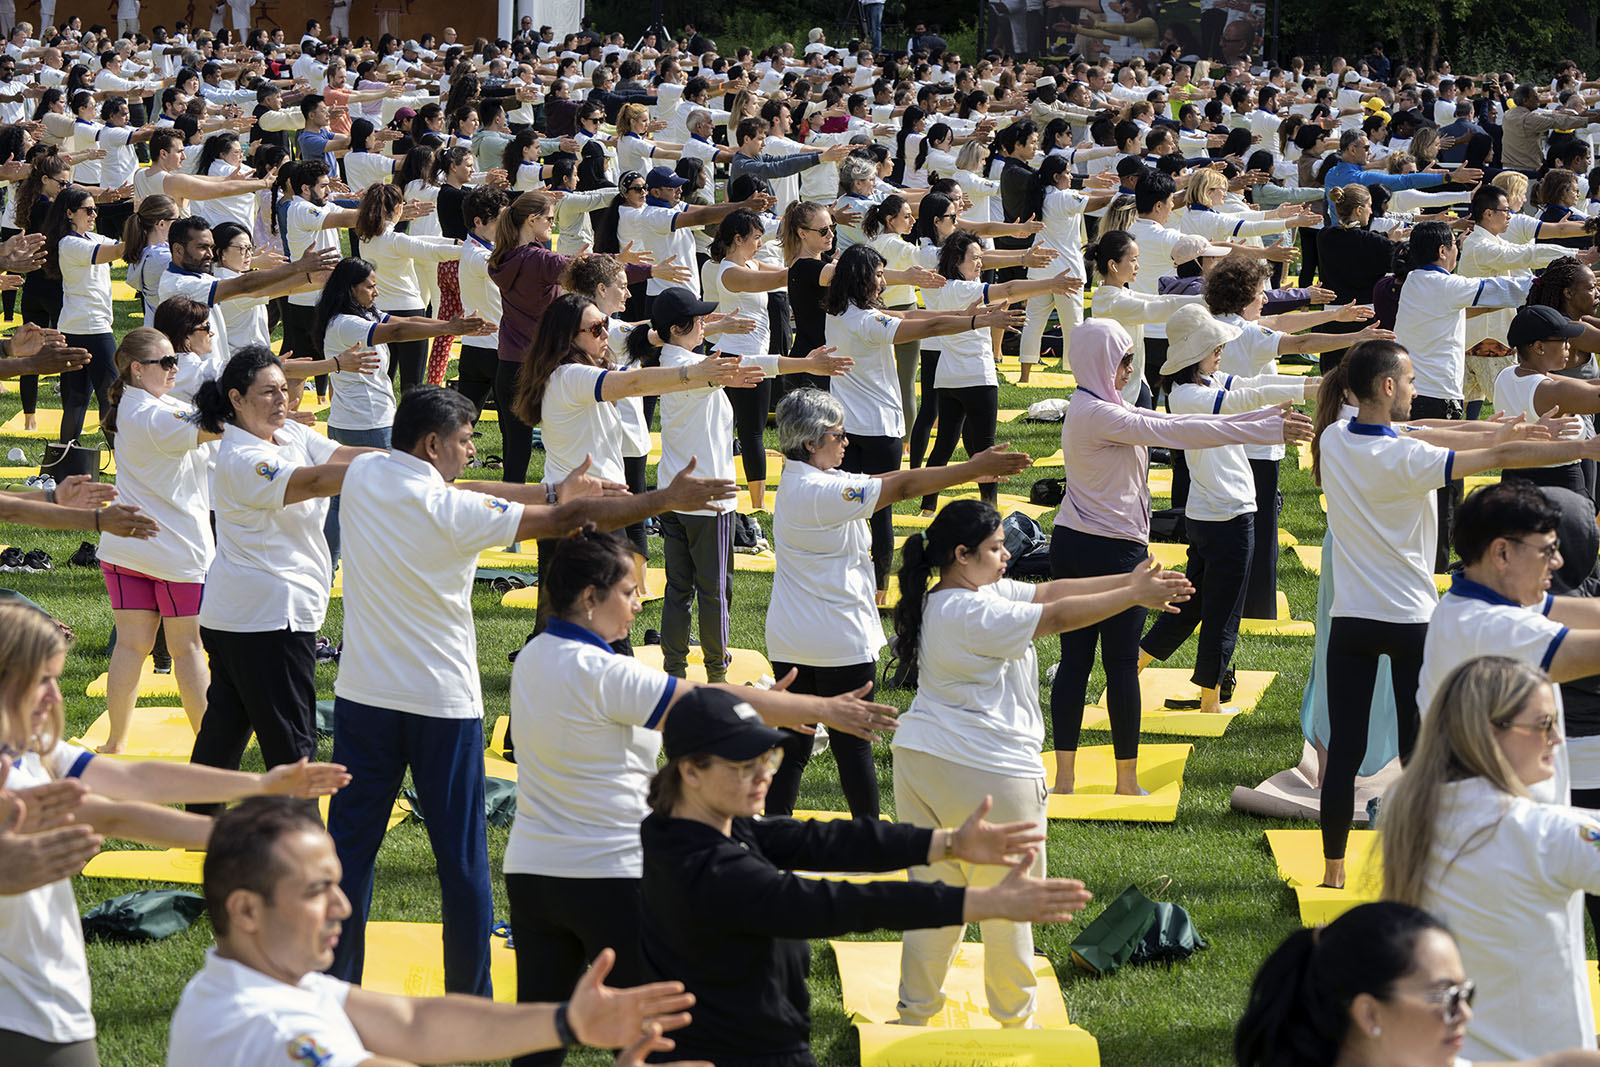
874, 15
445, 757
378, 438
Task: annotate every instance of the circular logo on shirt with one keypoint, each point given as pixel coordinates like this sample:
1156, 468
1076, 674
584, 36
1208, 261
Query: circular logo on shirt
854, 494
496, 505
304, 1050
266, 470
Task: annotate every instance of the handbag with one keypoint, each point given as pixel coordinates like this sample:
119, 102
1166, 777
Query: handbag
1136, 929
146, 915
63, 459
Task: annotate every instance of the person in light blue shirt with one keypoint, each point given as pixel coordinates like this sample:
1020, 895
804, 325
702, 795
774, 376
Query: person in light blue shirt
1351, 167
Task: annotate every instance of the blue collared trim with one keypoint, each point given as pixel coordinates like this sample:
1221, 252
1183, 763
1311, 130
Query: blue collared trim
571, 631
76, 770
1449, 465
599, 384
1201, 207
1374, 429
1477, 296
661, 705
654, 201
175, 269
1549, 602
1554, 647
479, 240
1216, 409
1433, 267
1462, 586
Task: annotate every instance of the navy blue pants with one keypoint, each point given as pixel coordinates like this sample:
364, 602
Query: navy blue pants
445, 757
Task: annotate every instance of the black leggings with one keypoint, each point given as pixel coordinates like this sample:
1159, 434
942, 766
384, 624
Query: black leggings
922, 425
39, 313
858, 774
1354, 646
1589, 798
94, 380
634, 473
1566, 476
1308, 259
297, 323
475, 374
1261, 587
970, 412
1219, 560
749, 424
516, 436
1074, 554
876, 455
409, 359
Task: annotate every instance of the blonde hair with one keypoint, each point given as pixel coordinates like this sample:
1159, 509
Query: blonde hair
1457, 742
1120, 215
1514, 183
1348, 199
1398, 161
632, 115
29, 639
971, 157
1202, 182
800, 214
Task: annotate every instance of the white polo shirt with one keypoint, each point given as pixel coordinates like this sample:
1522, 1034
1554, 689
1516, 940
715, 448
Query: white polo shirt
1431, 322
83, 138
410, 544
585, 722
302, 231
650, 228
576, 422
870, 393
1253, 353
159, 471
977, 701
1063, 232
272, 567
822, 612
240, 207
202, 289
244, 317
965, 358
1221, 485
698, 424
479, 296
362, 169
1381, 512
44, 975
231, 1015
121, 162
358, 401
85, 284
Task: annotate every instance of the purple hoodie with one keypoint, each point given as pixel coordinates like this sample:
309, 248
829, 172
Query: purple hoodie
1106, 441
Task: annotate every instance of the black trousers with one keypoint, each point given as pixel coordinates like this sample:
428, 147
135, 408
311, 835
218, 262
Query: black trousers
1155, 354
1589, 798
970, 412
1219, 561
1261, 587
8, 299
1308, 259
1074, 554
750, 407
40, 313
475, 374
1448, 497
1354, 646
77, 386
408, 360
927, 410
516, 436
261, 683
297, 322
634, 472
867, 454
558, 925
1566, 476
858, 774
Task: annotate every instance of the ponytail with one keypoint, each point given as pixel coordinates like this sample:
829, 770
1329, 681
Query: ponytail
962, 523
1330, 398
877, 218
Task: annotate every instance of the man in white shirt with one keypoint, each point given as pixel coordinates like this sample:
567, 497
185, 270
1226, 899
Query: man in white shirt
272, 890
408, 694
1153, 200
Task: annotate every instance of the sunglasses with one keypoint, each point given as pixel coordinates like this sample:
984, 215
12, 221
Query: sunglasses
1453, 1001
167, 362
596, 330
1547, 726
823, 230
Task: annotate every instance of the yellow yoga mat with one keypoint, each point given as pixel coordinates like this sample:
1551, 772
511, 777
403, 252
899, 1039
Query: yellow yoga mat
497, 735
337, 588
888, 1045
151, 684
1302, 369
122, 291
1285, 538
1302, 457
1282, 626
407, 959
1160, 481
1157, 684
495, 767
836, 876
1044, 380
529, 598
1054, 459
1310, 557
775, 461
154, 733
1010, 414
49, 424
500, 559
1160, 771
1298, 855
1169, 554
1590, 968
748, 665
758, 562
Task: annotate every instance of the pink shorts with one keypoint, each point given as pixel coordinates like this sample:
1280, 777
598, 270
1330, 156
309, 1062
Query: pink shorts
132, 591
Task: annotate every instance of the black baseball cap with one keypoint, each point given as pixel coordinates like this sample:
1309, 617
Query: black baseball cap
675, 307
1538, 322
714, 722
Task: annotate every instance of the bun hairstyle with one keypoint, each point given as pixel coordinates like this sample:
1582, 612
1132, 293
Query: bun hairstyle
213, 400
961, 524
740, 224
1112, 246
1347, 200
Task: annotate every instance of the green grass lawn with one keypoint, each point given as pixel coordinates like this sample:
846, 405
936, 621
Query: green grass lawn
1216, 858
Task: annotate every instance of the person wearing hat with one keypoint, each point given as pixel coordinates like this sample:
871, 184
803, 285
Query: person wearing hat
1220, 505
1533, 389
659, 224
698, 545
721, 909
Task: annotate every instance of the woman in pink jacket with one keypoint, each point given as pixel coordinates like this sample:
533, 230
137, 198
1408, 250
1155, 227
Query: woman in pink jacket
1103, 527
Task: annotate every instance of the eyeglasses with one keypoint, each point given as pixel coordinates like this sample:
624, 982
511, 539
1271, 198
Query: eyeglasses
837, 435
1453, 1000
1548, 726
167, 362
596, 330
751, 769
950, 217
90, 208
1549, 552
823, 230
246, 247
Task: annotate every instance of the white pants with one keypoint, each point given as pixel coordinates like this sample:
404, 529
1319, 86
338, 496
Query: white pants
929, 791
218, 17
8, 16
1069, 309
339, 20
241, 18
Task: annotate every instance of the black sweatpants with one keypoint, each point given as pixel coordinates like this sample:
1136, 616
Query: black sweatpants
867, 454
1219, 560
1449, 496
1074, 554
969, 411
1566, 476
408, 360
1354, 646
516, 436
927, 409
77, 386
475, 374
1261, 587
858, 774
261, 683
558, 925
750, 408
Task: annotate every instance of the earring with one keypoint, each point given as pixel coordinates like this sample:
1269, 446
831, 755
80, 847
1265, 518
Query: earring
591, 615
1377, 1030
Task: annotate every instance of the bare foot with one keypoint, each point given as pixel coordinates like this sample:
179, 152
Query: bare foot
883, 597
30, 422
1062, 789
1136, 791
108, 749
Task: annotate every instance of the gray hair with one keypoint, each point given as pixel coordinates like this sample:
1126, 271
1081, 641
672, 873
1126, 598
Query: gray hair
854, 168
803, 416
696, 117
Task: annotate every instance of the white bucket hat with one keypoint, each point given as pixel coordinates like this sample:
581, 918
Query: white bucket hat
1192, 335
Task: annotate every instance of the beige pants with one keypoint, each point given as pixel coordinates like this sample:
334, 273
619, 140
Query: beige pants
929, 791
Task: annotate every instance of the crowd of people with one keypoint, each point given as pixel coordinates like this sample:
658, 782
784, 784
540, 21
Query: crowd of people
635, 256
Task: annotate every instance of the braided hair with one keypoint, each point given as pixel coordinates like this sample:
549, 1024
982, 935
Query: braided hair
1550, 287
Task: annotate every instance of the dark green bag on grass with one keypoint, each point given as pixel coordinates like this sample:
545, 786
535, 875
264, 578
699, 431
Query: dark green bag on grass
1135, 929
147, 915
499, 802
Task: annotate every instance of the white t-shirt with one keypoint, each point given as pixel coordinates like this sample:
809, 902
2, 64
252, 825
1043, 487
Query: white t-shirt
302, 231
85, 284
977, 701
967, 358
121, 162
231, 1015
240, 208
243, 317
1155, 262
410, 545
159, 471
358, 401
479, 296
585, 723
44, 975
272, 568
870, 393
1221, 485
753, 306
576, 422
822, 612
1381, 511
395, 256
1063, 232
362, 169
698, 423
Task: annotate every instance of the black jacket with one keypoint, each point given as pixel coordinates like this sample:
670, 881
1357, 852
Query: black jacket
725, 916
